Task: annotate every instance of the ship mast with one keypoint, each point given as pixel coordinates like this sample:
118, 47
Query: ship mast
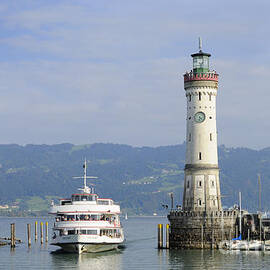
85, 188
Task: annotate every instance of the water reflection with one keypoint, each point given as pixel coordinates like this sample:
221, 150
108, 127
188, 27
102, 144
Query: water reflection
103, 260
212, 259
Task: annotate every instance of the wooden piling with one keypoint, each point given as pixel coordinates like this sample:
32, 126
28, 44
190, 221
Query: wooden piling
29, 234
167, 236
36, 230
46, 232
160, 236
12, 235
41, 232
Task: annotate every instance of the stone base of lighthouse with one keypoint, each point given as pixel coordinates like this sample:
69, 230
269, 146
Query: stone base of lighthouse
200, 230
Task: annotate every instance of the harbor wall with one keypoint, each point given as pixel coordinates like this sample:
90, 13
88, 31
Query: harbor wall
199, 230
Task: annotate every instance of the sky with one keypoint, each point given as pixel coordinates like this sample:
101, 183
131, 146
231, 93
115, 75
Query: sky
112, 70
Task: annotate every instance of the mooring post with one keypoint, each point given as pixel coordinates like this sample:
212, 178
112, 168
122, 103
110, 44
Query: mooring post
202, 236
36, 230
160, 236
167, 236
41, 232
46, 232
29, 234
212, 238
264, 238
12, 235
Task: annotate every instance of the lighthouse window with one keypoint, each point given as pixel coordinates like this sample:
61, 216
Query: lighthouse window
200, 184
199, 202
189, 97
200, 96
214, 202
189, 137
210, 136
187, 184
209, 97
200, 156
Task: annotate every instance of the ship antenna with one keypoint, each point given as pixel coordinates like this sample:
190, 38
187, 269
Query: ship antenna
200, 44
85, 188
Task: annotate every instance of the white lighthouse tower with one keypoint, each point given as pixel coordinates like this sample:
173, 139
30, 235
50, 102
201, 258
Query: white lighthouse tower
201, 188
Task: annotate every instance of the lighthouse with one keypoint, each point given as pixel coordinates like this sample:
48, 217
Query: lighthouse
201, 222
201, 185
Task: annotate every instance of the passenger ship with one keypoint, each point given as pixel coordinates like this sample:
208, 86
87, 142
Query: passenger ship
86, 223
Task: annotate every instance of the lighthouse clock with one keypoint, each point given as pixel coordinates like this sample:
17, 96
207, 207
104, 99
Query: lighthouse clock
201, 186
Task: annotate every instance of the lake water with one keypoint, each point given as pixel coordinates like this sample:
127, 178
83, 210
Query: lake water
140, 252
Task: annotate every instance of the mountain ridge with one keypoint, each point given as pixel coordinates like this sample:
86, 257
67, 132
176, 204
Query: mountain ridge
139, 178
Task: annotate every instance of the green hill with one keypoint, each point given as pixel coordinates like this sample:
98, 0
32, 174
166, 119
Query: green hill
139, 178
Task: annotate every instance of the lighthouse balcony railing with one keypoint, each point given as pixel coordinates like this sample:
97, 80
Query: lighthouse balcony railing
204, 76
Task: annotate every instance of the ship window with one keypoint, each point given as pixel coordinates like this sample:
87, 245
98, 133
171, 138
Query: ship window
94, 217
83, 231
77, 198
71, 231
104, 202
92, 232
70, 218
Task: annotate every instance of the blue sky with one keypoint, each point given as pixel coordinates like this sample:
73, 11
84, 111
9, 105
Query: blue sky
111, 71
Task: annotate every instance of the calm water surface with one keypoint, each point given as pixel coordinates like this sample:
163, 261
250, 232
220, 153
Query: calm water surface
140, 252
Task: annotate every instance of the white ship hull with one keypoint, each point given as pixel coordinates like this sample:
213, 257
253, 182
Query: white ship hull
90, 248
81, 243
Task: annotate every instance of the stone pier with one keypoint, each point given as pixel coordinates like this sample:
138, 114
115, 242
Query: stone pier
200, 230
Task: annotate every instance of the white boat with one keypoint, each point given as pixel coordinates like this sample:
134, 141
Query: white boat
86, 223
242, 245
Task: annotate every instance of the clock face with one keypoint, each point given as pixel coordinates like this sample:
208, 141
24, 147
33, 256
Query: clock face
199, 117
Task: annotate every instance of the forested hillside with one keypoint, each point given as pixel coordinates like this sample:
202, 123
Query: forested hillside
139, 178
